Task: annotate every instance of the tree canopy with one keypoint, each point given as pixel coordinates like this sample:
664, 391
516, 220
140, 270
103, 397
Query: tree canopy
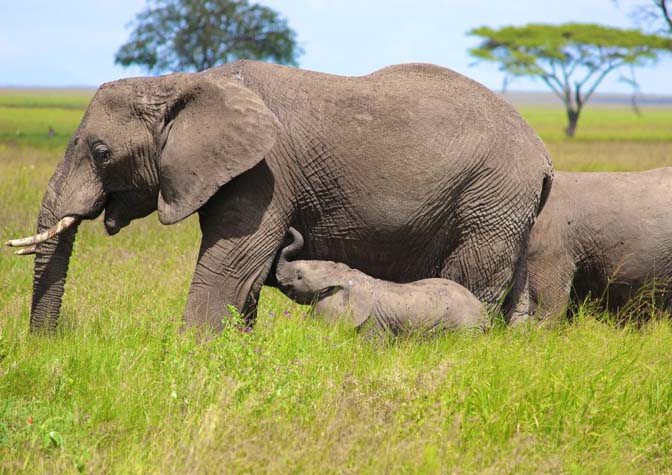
193, 35
570, 59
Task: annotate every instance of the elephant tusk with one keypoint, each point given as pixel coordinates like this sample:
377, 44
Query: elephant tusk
55, 230
27, 250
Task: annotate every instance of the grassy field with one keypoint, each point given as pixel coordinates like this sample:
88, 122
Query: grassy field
119, 389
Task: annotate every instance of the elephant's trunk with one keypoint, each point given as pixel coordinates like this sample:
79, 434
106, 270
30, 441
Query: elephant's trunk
291, 250
51, 262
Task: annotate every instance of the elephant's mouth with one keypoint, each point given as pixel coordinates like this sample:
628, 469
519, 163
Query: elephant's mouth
113, 222
123, 207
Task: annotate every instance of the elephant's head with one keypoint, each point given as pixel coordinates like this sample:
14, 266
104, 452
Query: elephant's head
166, 143
331, 285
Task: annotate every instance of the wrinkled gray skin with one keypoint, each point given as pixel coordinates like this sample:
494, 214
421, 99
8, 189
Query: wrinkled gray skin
606, 235
338, 291
411, 172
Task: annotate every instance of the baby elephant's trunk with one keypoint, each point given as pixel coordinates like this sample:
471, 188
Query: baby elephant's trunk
290, 251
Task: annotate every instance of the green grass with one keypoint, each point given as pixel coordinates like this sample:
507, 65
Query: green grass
29, 126
120, 389
602, 124
36, 97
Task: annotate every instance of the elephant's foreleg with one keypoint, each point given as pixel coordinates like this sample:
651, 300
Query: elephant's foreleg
243, 228
229, 272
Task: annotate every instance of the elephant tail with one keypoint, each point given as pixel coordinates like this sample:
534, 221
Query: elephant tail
546, 185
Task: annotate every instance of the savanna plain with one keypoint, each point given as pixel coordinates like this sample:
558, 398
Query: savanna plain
120, 389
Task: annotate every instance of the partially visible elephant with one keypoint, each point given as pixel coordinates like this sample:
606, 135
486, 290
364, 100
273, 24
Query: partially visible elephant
605, 235
411, 172
339, 292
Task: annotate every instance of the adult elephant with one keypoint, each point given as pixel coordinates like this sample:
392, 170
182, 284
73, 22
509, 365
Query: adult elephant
603, 235
411, 172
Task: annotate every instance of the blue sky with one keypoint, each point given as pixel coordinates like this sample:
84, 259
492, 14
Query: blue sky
72, 43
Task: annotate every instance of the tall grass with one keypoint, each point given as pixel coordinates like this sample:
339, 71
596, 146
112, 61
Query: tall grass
122, 389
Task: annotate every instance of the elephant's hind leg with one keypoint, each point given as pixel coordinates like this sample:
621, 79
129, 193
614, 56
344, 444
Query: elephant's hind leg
495, 217
550, 281
487, 265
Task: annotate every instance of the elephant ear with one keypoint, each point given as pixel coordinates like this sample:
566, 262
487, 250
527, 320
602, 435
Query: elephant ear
360, 304
217, 129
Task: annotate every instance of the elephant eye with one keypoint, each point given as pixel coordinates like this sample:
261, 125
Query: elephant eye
299, 276
100, 152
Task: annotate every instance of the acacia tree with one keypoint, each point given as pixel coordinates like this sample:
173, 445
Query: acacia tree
571, 59
193, 35
654, 15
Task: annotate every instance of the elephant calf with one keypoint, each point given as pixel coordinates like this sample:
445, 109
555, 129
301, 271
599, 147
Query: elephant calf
607, 235
339, 291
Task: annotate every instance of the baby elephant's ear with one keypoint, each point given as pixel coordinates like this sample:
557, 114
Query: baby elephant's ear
217, 129
360, 304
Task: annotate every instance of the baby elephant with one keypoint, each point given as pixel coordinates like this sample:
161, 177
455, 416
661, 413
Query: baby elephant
605, 235
339, 291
